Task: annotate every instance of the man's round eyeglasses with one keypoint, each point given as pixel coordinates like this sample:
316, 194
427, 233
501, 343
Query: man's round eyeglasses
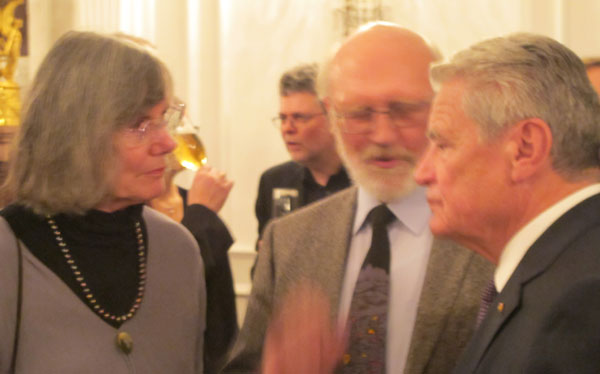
295, 119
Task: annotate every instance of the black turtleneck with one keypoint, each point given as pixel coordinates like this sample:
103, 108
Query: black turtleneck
102, 244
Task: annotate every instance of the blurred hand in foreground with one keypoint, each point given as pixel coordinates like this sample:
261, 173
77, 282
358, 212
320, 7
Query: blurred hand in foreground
301, 338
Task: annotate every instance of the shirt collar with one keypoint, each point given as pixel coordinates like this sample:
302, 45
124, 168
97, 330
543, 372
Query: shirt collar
518, 245
412, 210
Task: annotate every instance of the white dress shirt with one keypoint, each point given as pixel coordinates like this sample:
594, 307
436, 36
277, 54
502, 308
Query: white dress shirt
520, 243
410, 246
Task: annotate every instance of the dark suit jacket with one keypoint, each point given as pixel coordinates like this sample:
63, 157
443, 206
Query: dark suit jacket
286, 175
549, 319
312, 243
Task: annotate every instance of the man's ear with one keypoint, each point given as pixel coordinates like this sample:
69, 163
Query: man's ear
529, 145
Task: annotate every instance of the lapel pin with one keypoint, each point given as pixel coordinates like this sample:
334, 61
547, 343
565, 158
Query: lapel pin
500, 307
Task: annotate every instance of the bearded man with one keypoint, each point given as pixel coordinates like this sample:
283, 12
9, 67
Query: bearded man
420, 295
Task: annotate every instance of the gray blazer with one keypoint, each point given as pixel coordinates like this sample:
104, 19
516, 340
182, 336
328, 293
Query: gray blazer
313, 243
60, 334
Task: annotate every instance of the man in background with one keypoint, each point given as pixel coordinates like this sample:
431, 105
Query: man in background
512, 173
315, 170
407, 300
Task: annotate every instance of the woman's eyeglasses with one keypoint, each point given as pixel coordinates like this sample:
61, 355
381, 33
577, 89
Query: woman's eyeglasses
148, 129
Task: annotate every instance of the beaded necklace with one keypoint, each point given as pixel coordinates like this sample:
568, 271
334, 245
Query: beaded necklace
89, 296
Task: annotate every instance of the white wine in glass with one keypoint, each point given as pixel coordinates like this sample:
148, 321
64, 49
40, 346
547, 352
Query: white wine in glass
190, 152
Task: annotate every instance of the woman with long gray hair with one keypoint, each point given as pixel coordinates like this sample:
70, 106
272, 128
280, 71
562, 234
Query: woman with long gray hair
94, 281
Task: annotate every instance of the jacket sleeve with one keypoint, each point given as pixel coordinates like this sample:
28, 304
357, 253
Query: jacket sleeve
214, 241
8, 294
247, 351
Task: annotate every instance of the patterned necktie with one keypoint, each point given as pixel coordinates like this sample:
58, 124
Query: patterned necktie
487, 298
368, 311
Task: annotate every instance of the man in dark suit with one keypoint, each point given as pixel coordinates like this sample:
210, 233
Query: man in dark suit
315, 170
377, 92
512, 172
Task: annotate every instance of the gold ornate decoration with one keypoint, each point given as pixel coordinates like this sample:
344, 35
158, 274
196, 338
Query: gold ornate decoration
353, 13
10, 51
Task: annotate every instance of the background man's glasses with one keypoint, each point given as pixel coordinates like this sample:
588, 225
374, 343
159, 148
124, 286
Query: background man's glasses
402, 114
296, 119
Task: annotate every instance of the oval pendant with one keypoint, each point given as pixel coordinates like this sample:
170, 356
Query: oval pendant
125, 342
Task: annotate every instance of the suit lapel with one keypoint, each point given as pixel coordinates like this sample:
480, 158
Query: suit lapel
298, 183
501, 309
335, 231
443, 282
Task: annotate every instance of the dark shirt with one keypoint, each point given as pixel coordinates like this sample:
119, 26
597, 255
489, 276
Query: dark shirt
291, 175
312, 191
103, 246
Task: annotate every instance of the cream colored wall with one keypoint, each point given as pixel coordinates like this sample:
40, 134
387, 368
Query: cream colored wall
226, 57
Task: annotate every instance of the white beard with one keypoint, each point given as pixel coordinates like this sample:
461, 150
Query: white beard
386, 185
